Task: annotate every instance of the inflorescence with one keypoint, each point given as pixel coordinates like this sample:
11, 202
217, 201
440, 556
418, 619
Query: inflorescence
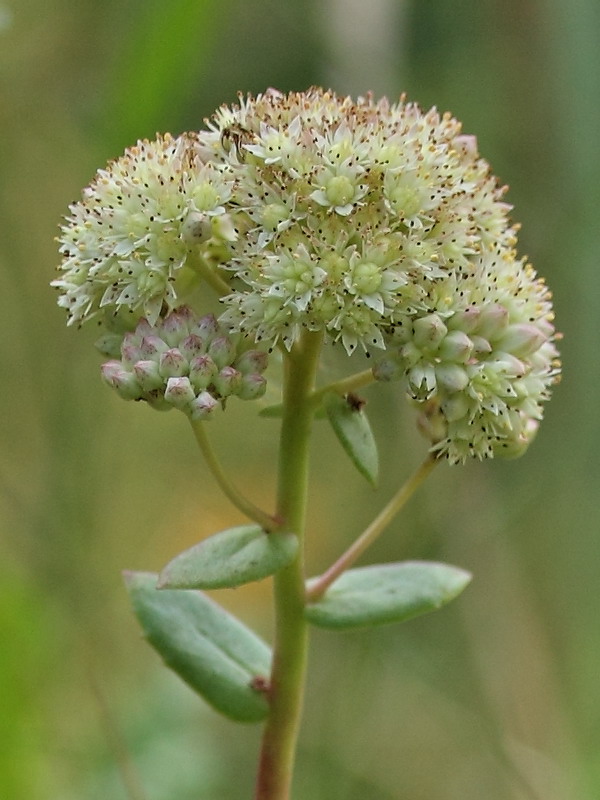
375, 223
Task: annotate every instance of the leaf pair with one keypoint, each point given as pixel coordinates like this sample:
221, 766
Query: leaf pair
224, 661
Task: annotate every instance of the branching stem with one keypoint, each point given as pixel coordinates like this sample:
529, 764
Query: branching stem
320, 585
267, 522
343, 386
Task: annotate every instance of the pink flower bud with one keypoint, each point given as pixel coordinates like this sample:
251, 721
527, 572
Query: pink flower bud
222, 351
228, 381
202, 371
252, 387
179, 392
172, 364
203, 406
148, 375
252, 361
125, 383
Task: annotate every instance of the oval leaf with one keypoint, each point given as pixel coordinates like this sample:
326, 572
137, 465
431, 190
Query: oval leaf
386, 593
212, 651
352, 428
230, 558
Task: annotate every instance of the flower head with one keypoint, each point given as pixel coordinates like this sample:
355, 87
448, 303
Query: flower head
377, 224
129, 244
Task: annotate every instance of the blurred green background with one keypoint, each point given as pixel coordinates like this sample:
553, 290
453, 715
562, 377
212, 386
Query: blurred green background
497, 696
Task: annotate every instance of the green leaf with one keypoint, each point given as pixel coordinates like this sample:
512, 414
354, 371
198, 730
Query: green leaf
272, 412
230, 558
212, 651
386, 593
352, 428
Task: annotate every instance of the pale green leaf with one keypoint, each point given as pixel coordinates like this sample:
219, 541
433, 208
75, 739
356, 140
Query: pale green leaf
230, 558
351, 426
212, 651
386, 593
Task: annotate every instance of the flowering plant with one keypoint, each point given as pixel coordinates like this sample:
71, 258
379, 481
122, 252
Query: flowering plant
318, 222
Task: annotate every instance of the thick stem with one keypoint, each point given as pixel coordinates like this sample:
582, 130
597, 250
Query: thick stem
290, 649
319, 586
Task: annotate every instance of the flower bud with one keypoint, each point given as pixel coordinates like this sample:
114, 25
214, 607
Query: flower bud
222, 351
466, 320
152, 346
521, 339
451, 377
206, 328
252, 361
410, 354
125, 383
179, 392
227, 381
429, 332
202, 371
148, 375
481, 346
172, 364
493, 321
191, 346
456, 347
252, 386
202, 406
109, 345
176, 326
455, 407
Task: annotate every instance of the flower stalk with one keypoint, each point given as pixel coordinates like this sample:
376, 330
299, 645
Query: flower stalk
267, 522
291, 635
319, 586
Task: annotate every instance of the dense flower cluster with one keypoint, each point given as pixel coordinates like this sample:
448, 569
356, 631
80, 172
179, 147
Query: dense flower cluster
480, 361
185, 362
375, 223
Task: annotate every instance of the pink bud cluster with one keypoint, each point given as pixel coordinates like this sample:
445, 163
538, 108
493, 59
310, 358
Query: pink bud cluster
185, 362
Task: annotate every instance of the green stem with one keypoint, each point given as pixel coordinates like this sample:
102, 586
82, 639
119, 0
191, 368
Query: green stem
267, 522
291, 635
209, 273
343, 386
320, 585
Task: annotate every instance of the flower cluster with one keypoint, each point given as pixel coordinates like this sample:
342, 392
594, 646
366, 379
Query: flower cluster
132, 246
377, 224
185, 362
480, 361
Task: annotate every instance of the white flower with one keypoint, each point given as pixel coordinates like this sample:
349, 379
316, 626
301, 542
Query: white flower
377, 224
